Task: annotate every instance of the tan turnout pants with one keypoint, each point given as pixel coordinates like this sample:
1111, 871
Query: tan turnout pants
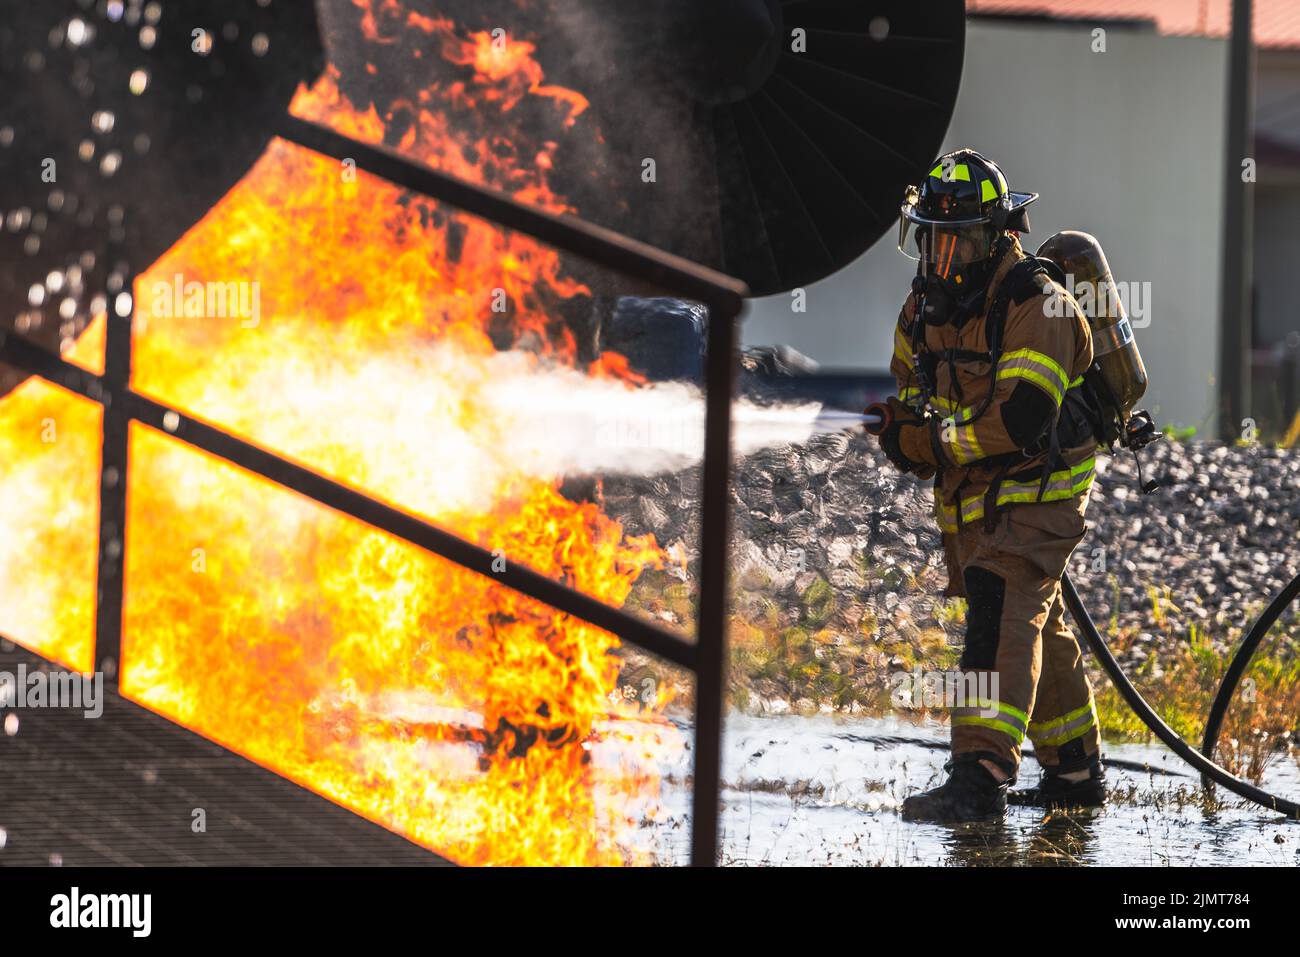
1018, 645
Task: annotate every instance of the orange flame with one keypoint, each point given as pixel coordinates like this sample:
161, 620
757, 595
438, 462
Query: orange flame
424, 697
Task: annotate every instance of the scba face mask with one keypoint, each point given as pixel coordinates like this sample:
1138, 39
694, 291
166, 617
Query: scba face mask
953, 263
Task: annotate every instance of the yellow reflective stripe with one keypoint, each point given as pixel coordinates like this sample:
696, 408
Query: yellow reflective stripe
952, 408
988, 704
1042, 727
1064, 730
959, 172
1076, 383
1065, 483
965, 447
1043, 359
1061, 484
1042, 370
987, 191
902, 348
1036, 377
1016, 734
971, 509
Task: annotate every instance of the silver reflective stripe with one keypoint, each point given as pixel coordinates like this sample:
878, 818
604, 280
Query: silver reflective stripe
1058, 733
1111, 338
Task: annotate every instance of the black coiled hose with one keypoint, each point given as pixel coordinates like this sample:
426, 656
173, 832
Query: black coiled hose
1210, 772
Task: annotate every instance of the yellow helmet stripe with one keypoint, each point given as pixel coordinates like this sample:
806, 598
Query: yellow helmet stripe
959, 172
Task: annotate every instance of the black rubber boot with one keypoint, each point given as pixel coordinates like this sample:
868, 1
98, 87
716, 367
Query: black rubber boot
1053, 791
970, 794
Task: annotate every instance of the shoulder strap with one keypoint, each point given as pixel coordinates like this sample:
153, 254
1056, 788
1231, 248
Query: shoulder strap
1017, 285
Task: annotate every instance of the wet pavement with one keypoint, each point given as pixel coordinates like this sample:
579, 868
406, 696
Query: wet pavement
825, 790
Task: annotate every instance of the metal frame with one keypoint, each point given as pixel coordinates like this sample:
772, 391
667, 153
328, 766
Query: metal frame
723, 296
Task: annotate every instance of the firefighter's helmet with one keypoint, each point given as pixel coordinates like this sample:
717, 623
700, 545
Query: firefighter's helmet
953, 219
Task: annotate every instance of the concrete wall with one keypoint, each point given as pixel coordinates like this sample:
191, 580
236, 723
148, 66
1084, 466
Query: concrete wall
1125, 144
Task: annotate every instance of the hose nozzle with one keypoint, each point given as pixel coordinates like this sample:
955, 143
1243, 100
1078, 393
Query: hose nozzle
876, 418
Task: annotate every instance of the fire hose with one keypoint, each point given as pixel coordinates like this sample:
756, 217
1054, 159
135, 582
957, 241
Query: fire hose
877, 418
1201, 760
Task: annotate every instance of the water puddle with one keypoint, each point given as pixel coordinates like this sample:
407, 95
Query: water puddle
825, 790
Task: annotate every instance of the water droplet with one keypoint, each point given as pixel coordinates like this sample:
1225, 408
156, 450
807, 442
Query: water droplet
139, 81
11, 724
36, 294
102, 121
171, 421
111, 163
261, 43
122, 304
56, 859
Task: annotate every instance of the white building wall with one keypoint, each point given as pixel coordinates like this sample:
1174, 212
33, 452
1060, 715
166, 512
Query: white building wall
1126, 144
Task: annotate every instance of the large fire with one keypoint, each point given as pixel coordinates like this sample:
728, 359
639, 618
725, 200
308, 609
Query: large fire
426, 698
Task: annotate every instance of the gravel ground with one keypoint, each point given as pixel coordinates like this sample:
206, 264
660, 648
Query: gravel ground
829, 535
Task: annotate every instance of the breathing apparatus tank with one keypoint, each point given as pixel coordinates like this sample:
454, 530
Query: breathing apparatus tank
1117, 377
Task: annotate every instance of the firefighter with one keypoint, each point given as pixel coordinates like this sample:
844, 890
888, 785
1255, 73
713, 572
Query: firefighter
987, 348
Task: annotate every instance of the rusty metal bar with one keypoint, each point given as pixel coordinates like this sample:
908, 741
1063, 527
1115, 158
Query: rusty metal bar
723, 296
113, 471
715, 595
